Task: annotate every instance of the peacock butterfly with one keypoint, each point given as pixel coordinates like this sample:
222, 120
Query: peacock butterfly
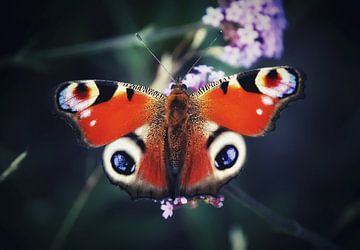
159, 146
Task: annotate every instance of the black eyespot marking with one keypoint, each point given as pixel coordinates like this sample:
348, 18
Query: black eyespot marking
273, 74
215, 134
224, 86
138, 141
183, 86
123, 163
106, 92
81, 90
172, 86
129, 93
226, 158
247, 81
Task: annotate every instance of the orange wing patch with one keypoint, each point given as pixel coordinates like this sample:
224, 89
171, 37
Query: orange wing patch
248, 103
110, 120
197, 164
104, 110
215, 155
241, 111
197, 169
152, 167
136, 162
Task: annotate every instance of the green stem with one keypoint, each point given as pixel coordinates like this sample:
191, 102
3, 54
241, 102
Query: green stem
120, 42
75, 210
13, 166
285, 225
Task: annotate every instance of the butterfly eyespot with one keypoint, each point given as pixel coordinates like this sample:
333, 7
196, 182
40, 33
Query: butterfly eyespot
276, 82
123, 163
77, 96
183, 86
226, 158
122, 157
227, 151
82, 90
172, 86
272, 75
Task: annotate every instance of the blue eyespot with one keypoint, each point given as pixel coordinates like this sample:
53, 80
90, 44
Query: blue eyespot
226, 158
123, 163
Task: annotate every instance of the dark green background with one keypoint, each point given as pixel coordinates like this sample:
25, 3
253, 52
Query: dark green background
307, 169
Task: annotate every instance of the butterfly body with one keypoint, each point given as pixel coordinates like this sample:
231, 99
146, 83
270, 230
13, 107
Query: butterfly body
159, 146
177, 127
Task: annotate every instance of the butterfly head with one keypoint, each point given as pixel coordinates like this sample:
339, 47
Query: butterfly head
178, 88
177, 104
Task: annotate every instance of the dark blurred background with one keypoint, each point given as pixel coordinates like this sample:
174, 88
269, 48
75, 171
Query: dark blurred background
307, 169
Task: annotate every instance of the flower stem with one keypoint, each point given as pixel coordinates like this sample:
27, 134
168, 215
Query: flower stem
285, 225
13, 166
76, 208
120, 42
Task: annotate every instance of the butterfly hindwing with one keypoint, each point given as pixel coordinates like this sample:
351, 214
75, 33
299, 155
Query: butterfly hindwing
129, 120
215, 156
249, 102
136, 162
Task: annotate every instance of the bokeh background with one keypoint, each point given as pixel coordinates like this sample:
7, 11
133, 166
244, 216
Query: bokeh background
307, 169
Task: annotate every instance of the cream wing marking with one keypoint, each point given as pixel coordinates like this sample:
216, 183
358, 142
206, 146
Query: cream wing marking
121, 158
227, 152
276, 82
76, 96
280, 82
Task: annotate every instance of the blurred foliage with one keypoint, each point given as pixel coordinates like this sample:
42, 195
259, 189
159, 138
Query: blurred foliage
308, 169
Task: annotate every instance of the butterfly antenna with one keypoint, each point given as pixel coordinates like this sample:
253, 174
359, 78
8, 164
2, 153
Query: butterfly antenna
197, 60
162, 65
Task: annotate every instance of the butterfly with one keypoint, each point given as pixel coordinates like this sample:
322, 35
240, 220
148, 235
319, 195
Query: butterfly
183, 144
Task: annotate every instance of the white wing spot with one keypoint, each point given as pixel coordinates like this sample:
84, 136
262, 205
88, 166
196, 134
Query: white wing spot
92, 123
267, 100
85, 113
259, 111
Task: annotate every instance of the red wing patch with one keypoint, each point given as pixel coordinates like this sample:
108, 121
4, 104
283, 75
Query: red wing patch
152, 167
215, 155
197, 167
136, 162
250, 116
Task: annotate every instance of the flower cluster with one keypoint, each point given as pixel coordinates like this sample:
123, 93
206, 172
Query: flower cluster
253, 28
169, 205
202, 75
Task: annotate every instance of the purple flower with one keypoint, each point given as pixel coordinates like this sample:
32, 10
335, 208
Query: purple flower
253, 29
168, 206
168, 209
202, 75
247, 35
213, 16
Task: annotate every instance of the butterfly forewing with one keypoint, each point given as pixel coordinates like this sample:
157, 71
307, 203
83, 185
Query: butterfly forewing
107, 110
248, 102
